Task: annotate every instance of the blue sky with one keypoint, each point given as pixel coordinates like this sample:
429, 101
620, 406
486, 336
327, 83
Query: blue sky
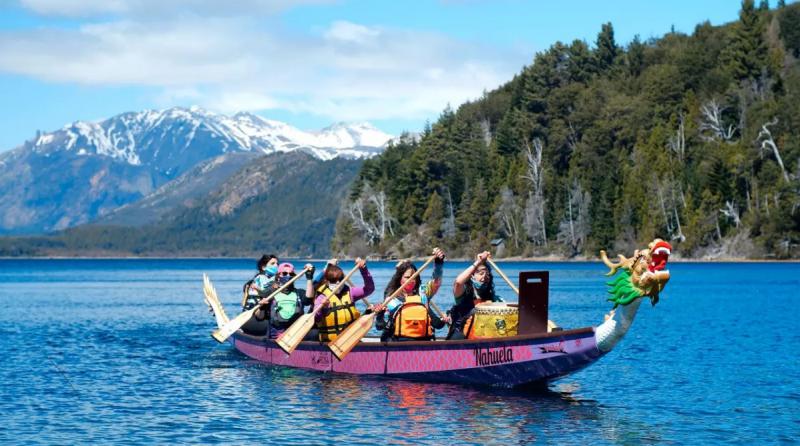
306, 62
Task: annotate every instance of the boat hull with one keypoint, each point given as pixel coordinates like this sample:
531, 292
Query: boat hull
500, 362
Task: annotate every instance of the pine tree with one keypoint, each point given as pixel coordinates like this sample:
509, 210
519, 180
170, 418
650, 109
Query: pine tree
748, 50
607, 51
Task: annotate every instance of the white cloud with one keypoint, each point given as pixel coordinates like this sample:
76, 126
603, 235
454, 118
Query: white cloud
351, 32
160, 8
348, 71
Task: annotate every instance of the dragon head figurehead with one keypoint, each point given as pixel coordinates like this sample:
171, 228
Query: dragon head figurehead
644, 274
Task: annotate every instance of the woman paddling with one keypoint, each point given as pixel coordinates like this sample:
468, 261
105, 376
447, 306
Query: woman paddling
410, 315
261, 284
339, 310
285, 307
473, 286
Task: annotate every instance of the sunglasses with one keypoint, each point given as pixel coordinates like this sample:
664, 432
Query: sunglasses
285, 273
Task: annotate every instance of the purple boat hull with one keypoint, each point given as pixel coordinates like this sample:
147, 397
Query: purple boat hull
499, 362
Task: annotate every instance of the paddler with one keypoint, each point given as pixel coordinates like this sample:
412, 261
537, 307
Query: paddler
473, 286
261, 284
339, 310
285, 307
411, 317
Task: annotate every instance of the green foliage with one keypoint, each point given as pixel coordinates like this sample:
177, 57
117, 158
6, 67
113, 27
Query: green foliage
748, 50
631, 126
790, 28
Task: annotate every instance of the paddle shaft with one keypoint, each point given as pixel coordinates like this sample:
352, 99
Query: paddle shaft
236, 323
503, 275
352, 335
413, 276
293, 335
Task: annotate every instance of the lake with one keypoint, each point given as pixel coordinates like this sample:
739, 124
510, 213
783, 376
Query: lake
118, 351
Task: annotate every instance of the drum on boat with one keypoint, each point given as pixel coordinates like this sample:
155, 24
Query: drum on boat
493, 320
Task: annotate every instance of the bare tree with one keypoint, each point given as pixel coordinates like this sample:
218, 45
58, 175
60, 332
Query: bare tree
534, 205
370, 215
731, 212
508, 214
670, 198
677, 142
768, 144
712, 123
449, 223
574, 228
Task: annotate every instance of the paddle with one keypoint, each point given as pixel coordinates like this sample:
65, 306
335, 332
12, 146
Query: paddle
293, 335
437, 310
213, 302
236, 323
352, 335
550, 324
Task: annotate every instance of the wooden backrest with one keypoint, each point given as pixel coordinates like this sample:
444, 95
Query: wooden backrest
533, 301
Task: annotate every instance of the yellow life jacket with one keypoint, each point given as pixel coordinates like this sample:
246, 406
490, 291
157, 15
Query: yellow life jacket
411, 320
341, 312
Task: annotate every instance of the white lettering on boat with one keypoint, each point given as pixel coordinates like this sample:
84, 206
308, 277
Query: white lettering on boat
493, 356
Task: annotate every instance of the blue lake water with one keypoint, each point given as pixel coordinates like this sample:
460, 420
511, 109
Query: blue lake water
118, 351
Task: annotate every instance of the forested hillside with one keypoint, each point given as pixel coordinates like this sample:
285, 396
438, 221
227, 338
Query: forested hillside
691, 138
284, 203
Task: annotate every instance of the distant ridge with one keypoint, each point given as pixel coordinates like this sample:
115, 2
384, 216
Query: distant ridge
88, 170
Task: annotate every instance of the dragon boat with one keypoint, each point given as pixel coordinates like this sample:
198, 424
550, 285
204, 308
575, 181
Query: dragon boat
536, 355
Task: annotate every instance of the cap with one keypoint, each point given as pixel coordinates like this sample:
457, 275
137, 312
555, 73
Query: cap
286, 267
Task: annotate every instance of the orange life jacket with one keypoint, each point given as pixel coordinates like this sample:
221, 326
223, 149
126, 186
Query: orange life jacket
412, 320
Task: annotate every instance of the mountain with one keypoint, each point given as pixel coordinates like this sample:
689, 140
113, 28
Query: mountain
183, 191
87, 170
286, 203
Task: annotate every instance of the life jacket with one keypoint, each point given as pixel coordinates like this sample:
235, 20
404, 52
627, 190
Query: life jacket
469, 325
286, 308
341, 312
412, 320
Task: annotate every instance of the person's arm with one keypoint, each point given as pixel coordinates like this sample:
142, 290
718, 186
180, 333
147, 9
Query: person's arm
360, 292
463, 278
436, 321
308, 298
320, 301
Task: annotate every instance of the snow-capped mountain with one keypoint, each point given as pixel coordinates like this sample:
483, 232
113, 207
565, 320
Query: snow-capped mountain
159, 136
87, 169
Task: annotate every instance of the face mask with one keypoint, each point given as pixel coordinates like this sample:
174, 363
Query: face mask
332, 285
410, 286
283, 279
478, 286
271, 270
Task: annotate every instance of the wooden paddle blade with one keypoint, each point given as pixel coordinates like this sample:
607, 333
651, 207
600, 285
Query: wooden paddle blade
293, 335
351, 336
213, 302
224, 332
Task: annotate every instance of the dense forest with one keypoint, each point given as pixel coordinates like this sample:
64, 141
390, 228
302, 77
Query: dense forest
691, 138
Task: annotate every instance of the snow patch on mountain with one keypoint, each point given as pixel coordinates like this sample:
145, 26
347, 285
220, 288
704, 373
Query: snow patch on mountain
139, 138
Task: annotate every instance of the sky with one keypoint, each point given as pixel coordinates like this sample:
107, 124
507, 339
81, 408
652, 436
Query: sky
309, 63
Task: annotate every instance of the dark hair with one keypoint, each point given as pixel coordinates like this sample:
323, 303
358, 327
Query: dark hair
397, 278
262, 262
332, 274
488, 293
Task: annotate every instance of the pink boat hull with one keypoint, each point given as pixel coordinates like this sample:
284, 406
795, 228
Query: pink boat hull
499, 362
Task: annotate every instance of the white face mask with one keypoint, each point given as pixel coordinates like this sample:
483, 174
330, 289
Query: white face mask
333, 285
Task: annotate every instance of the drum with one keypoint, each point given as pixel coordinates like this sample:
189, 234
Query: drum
493, 320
